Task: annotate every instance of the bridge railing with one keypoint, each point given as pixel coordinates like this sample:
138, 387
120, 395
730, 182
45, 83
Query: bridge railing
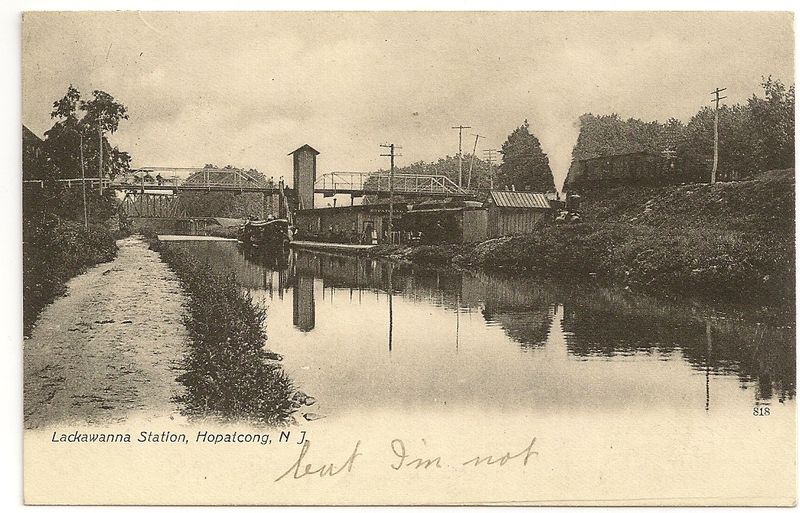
69, 182
379, 182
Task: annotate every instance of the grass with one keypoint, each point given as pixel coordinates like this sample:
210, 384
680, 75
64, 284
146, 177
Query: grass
727, 265
732, 242
53, 251
228, 372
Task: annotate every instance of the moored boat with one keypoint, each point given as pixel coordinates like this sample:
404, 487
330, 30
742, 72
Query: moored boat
269, 234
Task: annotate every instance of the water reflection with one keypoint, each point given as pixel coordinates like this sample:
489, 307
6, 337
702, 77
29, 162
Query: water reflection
374, 331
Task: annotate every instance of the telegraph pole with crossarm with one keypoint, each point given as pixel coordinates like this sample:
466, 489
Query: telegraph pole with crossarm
459, 128
716, 100
391, 156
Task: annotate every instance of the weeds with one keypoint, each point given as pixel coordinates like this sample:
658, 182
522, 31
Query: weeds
227, 372
53, 251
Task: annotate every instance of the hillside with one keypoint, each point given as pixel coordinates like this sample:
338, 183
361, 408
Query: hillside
765, 203
729, 243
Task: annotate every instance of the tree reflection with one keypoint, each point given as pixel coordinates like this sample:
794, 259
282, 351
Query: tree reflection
756, 353
596, 322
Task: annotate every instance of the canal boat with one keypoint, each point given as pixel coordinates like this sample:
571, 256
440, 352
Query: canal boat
268, 234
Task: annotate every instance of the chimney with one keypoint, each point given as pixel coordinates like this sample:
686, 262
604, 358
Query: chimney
304, 166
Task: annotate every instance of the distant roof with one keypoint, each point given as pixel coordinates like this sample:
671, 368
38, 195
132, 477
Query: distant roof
514, 199
29, 137
304, 147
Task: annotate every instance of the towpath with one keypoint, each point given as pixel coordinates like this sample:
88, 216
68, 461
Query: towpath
110, 348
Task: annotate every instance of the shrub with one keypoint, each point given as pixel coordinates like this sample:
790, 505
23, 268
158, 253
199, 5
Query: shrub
433, 255
53, 251
227, 371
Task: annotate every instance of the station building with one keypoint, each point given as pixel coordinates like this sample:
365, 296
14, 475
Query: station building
450, 221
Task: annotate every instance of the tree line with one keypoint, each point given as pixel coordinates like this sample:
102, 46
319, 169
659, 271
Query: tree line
524, 166
753, 137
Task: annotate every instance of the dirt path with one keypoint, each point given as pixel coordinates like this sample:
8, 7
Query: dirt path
109, 349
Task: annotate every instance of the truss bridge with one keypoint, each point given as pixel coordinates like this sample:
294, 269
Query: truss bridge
359, 184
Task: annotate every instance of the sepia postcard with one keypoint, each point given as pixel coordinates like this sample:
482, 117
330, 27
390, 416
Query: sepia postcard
408, 258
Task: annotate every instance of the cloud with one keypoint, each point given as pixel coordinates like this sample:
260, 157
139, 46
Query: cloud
247, 88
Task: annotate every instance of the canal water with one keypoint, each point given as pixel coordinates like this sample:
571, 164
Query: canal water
364, 335
359, 334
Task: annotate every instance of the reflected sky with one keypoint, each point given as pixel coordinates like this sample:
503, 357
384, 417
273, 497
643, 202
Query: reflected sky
505, 344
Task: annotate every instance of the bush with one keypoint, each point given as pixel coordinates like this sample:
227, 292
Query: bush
53, 251
433, 255
734, 266
228, 371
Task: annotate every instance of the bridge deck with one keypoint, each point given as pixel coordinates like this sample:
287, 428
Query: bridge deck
356, 184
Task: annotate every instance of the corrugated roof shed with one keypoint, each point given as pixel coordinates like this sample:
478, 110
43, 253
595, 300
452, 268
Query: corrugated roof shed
512, 199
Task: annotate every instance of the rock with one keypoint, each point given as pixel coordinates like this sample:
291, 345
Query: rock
302, 399
312, 416
273, 356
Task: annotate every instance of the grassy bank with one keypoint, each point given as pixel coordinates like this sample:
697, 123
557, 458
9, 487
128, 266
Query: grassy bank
228, 372
732, 242
53, 251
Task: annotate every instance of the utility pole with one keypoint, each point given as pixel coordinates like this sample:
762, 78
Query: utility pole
460, 128
716, 100
391, 156
83, 183
83, 178
100, 161
490, 159
472, 160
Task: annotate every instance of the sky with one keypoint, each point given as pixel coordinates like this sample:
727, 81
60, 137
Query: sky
248, 88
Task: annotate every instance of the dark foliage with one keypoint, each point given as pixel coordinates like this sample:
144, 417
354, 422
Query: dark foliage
56, 243
225, 204
733, 241
525, 166
73, 136
227, 370
53, 251
753, 137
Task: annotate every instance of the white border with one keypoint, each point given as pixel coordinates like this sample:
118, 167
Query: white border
10, 192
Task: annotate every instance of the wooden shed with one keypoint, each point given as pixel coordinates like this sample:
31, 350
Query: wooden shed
513, 213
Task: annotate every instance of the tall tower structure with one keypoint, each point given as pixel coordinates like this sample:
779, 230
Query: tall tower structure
304, 166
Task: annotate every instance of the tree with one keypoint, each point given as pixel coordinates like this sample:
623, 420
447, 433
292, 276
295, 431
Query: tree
772, 123
754, 137
103, 112
67, 107
223, 204
446, 166
737, 158
525, 166
62, 143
